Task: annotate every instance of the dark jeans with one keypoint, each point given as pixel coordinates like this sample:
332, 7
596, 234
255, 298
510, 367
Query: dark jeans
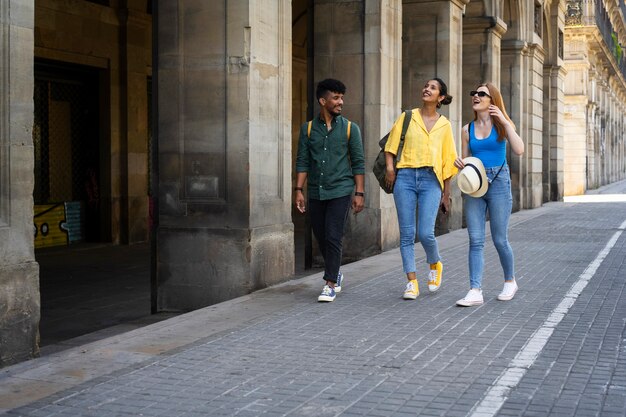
328, 219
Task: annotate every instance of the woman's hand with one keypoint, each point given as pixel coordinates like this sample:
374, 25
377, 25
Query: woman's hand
445, 203
390, 177
495, 112
458, 162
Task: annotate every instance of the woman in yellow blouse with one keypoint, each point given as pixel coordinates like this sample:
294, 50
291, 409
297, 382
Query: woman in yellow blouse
422, 181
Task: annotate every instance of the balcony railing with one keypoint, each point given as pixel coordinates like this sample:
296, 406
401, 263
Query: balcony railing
592, 12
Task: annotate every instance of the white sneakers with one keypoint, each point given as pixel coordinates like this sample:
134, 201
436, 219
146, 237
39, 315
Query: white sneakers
474, 297
509, 290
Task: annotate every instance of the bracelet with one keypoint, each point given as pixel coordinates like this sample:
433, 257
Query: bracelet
298, 189
358, 194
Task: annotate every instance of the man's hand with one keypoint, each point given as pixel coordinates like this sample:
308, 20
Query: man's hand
357, 203
300, 201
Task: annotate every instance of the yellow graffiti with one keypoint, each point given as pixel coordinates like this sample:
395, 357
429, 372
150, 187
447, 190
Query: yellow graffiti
50, 226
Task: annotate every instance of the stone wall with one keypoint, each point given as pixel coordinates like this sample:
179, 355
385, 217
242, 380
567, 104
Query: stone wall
19, 273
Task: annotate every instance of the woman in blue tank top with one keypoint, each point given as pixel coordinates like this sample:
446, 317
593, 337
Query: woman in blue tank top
485, 138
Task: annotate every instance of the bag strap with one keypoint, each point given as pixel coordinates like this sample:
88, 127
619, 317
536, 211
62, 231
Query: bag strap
308, 129
469, 145
498, 173
405, 126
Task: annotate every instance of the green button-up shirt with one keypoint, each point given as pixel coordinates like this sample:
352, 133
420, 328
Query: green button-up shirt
329, 158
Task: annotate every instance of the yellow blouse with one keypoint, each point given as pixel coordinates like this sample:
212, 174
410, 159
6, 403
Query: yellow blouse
422, 148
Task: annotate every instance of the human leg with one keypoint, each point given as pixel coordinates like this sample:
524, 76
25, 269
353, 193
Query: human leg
428, 200
317, 213
405, 196
336, 215
475, 218
500, 203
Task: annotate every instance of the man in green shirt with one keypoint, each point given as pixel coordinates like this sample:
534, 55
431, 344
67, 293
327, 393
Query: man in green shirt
331, 160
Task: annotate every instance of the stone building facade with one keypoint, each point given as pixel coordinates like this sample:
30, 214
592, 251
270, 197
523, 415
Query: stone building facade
595, 88
197, 106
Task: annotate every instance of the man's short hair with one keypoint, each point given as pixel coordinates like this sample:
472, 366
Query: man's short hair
329, 84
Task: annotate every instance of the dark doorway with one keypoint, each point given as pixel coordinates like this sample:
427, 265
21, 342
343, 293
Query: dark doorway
90, 288
302, 70
66, 140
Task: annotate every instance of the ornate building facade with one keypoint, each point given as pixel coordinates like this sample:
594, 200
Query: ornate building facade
183, 128
595, 94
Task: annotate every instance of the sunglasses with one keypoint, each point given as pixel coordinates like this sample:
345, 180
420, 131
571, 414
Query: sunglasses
480, 94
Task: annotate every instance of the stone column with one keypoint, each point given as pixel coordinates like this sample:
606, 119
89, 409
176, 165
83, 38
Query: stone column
382, 100
533, 155
224, 94
482, 37
553, 144
514, 75
433, 46
578, 116
135, 61
359, 42
19, 273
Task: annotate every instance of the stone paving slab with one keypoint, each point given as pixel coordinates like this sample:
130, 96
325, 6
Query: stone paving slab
278, 352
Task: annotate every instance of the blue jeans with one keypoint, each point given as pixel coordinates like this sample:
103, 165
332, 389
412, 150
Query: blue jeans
417, 187
498, 202
328, 220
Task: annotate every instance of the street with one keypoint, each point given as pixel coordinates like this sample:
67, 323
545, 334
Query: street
556, 349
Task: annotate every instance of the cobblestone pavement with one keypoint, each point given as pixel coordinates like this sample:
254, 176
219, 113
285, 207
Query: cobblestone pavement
556, 349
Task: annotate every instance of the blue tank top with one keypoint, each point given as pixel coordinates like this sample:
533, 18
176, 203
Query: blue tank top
490, 151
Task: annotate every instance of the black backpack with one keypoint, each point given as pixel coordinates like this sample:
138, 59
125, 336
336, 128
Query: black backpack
380, 165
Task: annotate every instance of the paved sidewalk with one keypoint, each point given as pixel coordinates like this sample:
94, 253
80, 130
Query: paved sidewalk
556, 349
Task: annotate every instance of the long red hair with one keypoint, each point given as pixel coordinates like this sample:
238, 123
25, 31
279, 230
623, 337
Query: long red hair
496, 100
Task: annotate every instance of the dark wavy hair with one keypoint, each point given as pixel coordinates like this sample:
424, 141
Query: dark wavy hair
443, 91
329, 84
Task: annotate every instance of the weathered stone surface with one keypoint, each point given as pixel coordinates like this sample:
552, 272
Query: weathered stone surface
19, 273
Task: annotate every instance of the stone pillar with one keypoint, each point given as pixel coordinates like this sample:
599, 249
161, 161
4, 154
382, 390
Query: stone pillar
514, 75
224, 94
482, 37
553, 144
604, 131
578, 115
135, 60
19, 273
533, 155
358, 42
433, 46
382, 100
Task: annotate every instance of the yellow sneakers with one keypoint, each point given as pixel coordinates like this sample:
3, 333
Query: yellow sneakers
412, 290
434, 277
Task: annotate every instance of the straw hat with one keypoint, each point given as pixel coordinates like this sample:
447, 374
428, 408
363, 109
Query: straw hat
472, 179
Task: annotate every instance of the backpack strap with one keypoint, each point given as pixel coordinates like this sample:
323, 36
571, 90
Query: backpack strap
405, 126
308, 129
